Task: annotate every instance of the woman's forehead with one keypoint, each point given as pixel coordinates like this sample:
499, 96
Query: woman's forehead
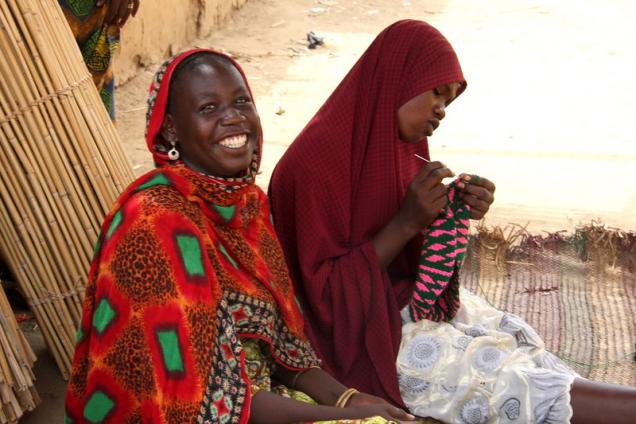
210, 74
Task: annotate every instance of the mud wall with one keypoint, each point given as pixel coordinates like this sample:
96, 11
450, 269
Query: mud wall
163, 27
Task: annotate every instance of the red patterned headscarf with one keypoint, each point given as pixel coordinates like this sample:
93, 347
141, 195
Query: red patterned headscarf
338, 184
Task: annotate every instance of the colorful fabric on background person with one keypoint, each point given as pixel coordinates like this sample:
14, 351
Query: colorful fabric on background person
436, 292
183, 271
97, 42
338, 184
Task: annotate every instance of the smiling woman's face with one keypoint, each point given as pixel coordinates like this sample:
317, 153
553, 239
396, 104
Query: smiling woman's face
215, 122
419, 117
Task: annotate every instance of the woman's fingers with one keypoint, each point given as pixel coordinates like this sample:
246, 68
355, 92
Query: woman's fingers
401, 415
136, 7
438, 192
478, 207
432, 173
436, 198
112, 16
120, 10
476, 214
475, 202
478, 192
128, 9
478, 181
436, 175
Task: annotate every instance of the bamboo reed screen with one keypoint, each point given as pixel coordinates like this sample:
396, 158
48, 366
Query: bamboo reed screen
62, 166
17, 391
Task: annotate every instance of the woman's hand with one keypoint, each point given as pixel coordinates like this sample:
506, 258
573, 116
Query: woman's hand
361, 399
425, 198
478, 193
268, 407
365, 399
384, 410
119, 11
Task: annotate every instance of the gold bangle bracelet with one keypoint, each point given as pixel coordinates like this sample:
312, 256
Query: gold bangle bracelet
345, 396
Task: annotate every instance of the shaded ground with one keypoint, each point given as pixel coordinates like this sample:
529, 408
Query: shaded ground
547, 114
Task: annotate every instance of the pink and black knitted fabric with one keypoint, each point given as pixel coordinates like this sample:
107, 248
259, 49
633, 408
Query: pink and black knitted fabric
339, 183
436, 293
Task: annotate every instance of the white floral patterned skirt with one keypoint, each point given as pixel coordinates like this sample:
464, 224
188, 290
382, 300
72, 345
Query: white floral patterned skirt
485, 366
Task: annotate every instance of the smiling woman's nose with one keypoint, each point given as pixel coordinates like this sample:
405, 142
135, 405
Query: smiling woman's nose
232, 116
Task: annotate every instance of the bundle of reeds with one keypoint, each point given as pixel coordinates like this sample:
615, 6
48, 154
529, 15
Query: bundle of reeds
62, 166
17, 391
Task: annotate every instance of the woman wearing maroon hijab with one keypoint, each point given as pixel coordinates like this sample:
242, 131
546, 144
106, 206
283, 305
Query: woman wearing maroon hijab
351, 201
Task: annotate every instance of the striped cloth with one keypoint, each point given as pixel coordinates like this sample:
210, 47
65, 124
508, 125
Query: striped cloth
436, 293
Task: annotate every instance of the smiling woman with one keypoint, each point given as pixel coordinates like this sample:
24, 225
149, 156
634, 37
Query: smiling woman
189, 314
213, 121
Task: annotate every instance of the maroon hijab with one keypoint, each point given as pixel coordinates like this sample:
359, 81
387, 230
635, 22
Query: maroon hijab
338, 184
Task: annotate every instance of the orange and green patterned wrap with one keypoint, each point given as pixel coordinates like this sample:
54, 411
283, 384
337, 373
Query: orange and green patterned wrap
97, 42
182, 272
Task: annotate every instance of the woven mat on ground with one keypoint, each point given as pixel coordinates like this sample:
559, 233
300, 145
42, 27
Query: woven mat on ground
578, 291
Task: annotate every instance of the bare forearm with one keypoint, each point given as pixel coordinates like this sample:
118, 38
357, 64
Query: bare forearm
426, 197
268, 408
391, 239
315, 382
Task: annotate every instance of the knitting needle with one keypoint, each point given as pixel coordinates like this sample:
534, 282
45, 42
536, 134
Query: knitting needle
428, 161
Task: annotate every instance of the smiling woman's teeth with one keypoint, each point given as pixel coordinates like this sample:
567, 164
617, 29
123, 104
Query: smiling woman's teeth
234, 142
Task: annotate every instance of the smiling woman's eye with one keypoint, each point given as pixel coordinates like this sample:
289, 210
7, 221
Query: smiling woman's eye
436, 91
243, 100
208, 108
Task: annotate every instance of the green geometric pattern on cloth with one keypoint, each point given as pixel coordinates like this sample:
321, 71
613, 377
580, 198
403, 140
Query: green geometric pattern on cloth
114, 224
170, 350
103, 316
79, 336
227, 256
98, 244
158, 179
98, 407
97, 51
80, 8
190, 251
227, 212
108, 98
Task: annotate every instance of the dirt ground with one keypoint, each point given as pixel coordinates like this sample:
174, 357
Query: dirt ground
548, 114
